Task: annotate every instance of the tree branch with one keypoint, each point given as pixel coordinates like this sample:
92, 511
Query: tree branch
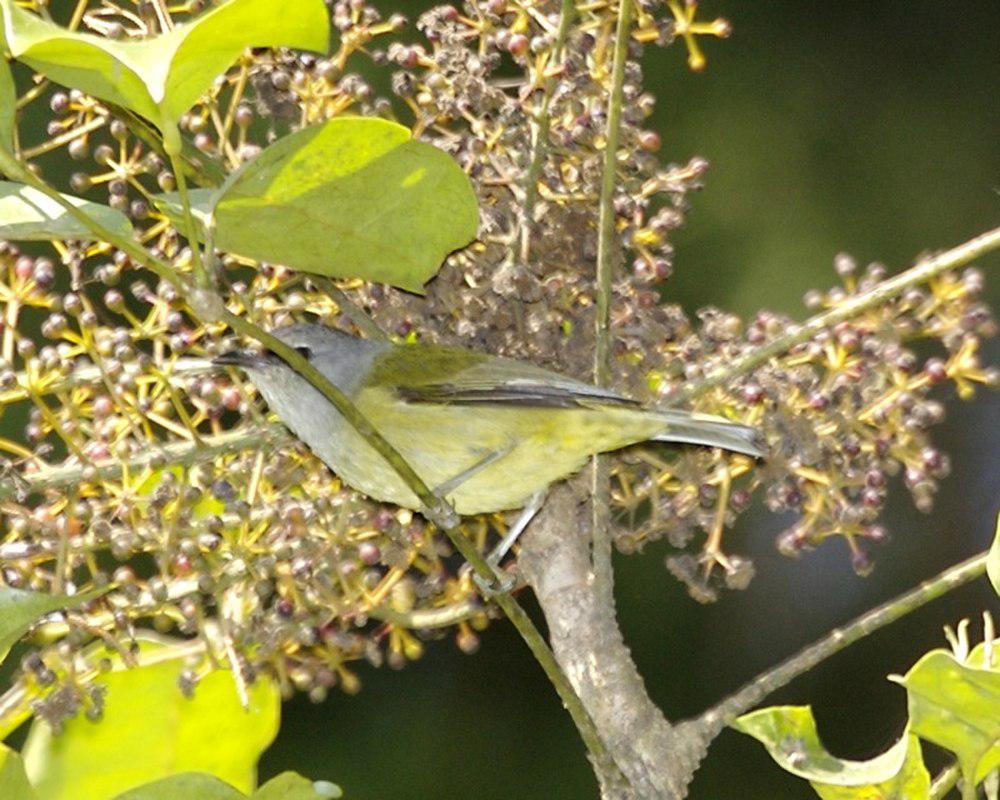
584, 634
658, 760
707, 726
921, 272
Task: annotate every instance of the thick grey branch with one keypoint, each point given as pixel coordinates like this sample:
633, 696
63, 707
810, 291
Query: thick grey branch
584, 635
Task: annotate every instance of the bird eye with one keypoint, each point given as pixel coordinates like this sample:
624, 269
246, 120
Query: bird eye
304, 351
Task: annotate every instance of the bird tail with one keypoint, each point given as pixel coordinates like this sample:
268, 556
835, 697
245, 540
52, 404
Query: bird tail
692, 428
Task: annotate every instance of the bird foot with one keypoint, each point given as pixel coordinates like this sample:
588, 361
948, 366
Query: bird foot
502, 582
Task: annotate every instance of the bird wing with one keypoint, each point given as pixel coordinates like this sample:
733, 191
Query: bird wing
426, 373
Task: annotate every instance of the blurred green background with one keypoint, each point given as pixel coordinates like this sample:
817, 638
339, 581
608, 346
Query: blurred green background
866, 127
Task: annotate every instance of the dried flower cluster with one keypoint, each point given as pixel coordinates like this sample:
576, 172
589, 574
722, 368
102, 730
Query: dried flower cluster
128, 460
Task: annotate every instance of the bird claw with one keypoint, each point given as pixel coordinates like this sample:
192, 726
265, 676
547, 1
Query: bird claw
502, 582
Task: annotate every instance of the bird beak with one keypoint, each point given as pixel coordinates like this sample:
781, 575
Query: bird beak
236, 358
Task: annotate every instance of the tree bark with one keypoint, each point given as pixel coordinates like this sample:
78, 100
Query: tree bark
584, 634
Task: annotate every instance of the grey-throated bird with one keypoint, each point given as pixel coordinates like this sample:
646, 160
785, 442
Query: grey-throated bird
487, 433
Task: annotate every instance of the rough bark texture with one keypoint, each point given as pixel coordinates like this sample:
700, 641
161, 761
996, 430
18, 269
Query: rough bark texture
584, 635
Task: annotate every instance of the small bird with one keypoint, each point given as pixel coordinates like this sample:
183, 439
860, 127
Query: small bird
487, 433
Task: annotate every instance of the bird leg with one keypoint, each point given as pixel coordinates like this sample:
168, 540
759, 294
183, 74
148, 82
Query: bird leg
504, 582
523, 520
444, 489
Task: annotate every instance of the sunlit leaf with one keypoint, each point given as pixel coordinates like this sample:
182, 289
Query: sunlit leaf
13, 780
289, 786
19, 609
790, 736
201, 206
163, 76
199, 786
26, 214
352, 197
189, 785
151, 731
8, 105
957, 706
993, 560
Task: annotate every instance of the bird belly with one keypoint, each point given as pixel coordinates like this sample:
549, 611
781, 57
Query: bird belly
518, 450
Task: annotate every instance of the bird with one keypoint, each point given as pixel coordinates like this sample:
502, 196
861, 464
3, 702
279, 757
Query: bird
485, 432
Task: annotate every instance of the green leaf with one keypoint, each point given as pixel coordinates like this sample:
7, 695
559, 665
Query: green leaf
19, 609
26, 214
993, 559
8, 105
957, 706
790, 736
13, 780
151, 731
289, 786
192, 785
163, 76
199, 786
201, 201
351, 198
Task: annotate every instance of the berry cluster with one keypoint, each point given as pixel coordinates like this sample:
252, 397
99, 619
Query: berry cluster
128, 460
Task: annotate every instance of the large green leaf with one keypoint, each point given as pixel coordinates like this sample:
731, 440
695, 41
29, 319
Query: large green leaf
20, 608
790, 736
351, 198
28, 214
150, 731
289, 786
8, 105
199, 786
993, 559
163, 76
13, 780
192, 785
957, 705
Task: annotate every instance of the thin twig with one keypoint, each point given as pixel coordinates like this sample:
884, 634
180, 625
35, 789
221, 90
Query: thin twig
540, 146
606, 243
944, 782
349, 309
83, 376
191, 228
184, 453
921, 272
427, 618
713, 720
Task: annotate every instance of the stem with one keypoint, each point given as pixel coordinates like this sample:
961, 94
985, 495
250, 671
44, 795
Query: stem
183, 453
968, 788
172, 143
83, 376
606, 243
541, 144
352, 311
713, 720
921, 272
426, 618
434, 508
203, 169
944, 782
67, 136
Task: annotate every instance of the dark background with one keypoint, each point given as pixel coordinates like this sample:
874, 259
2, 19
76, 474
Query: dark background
858, 126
